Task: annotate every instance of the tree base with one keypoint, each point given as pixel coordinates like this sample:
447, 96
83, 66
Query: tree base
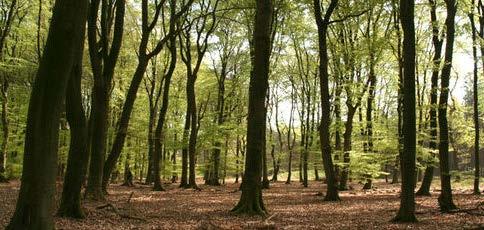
212, 182
368, 185
422, 193
332, 197
407, 218
251, 208
94, 195
446, 205
71, 211
158, 188
265, 184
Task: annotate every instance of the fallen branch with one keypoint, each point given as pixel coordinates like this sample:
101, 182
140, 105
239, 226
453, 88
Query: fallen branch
119, 213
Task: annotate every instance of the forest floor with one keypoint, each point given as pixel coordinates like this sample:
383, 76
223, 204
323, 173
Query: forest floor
290, 207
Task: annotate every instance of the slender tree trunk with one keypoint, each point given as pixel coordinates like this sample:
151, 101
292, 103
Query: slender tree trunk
123, 122
4, 33
437, 43
184, 172
475, 102
78, 157
237, 161
103, 64
192, 141
445, 199
343, 185
322, 24
406, 213
37, 191
265, 176
5, 130
159, 132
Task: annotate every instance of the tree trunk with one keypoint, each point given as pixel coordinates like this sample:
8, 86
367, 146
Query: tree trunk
475, 102
192, 141
343, 185
251, 199
123, 122
159, 132
78, 148
5, 131
184, 172
322, 24
103, 64
445, 199
437, 43
37, 191
406, 213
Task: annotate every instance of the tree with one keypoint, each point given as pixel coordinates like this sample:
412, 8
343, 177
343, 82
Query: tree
9, 12
406, 213
251, 199
70, 205
37, 191
437, 43
147, 28
323, 24
159, 131
475, 97
103, 56
445, 198
204, 25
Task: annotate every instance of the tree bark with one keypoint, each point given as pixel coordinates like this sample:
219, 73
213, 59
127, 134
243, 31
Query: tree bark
445, 198
437, 43
251, 199
406, 213
37, 191
103, 64
322, 24
78, 157
475, 102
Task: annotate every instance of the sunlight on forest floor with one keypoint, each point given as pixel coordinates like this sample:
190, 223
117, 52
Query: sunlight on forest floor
290, 207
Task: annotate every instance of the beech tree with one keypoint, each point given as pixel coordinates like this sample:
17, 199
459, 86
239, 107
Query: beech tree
37, 191
251, 199
446, 202
406, 213
103, 55
323, 23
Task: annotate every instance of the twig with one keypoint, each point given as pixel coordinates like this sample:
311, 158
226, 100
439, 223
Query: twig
130, 196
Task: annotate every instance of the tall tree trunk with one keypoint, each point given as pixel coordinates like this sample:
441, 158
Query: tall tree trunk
192, 141
78, 157
251, 199
123, 122
322, 24
159, 132
5, 130
343, 184
445, 198
406, 213
37, 191
475, 101
8, 15
103, 64
437, 43
184, 172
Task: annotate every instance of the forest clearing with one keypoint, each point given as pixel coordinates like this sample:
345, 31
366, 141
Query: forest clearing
292, 207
